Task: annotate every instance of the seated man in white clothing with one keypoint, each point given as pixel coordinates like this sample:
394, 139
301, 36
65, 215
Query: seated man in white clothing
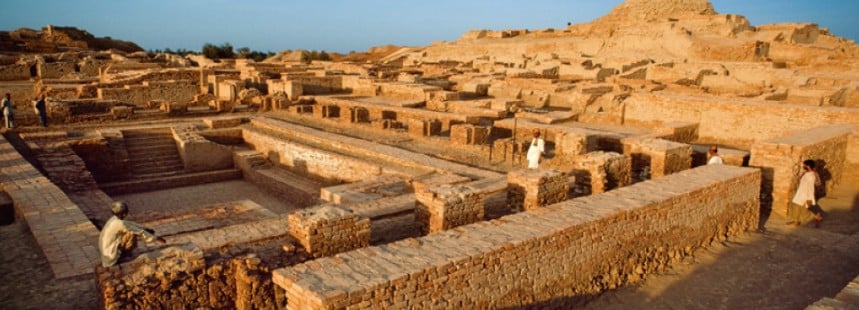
119, 236
536, 150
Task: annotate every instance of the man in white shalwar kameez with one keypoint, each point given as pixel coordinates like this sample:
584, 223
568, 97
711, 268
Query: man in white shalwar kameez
118, 235
536, 150
803, 207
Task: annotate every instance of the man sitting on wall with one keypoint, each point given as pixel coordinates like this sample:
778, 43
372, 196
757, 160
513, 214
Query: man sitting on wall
118, 235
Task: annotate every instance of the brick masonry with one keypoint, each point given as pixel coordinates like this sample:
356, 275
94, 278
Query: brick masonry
327, 229
446, 207
503, 263
468, 134
598, 172
654, 158
528, 189
64, 233
780, 160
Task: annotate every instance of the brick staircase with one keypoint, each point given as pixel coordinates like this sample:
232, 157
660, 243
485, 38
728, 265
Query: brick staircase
153, 153
156, 164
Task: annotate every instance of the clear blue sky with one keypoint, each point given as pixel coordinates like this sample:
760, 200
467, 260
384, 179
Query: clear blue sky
346, 25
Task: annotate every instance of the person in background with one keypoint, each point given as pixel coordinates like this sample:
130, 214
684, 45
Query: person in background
536, 150
42, 110
118, 237
803, 207
715, 159
8, 111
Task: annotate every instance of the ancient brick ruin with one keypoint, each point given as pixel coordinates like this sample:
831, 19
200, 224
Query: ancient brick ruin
401, 182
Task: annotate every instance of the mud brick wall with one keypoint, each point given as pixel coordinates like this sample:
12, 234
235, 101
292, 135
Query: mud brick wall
598, 172
780, 160
446, 207
424, 127
679, 131
529, 189
54, 70
185, 276
575, 142
200, 154
728, 122
176, 91
510, 151
255, 169
660, 157
467, 134
327, 230
554, 256
306, 159
15, 72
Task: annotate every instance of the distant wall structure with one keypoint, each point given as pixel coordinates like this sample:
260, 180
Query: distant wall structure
139, 95
728, 121
503, 263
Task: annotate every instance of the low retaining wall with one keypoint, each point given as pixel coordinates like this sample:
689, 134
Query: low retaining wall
549, 256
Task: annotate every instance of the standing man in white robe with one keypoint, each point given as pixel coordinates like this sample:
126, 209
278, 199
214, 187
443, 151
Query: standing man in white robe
536, 150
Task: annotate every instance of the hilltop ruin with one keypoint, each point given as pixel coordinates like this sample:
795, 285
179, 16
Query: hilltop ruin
400, 181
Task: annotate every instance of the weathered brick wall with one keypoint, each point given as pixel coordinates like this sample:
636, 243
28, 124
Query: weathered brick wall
54, 70
467, 134
528, 189
550, 257
176, 91
258, 170
446, 207
307, 159
728, 122
200, 154
327, 229
780, 160
424, 127
15, 72
660, 157
598, 172
186, 276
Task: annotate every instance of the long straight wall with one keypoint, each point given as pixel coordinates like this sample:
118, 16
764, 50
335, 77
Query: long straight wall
551, 256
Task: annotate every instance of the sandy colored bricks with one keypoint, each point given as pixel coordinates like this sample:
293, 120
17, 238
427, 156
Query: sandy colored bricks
424, 127
468, 134
446, 207
652, 225
598, 172
327, 230
528, 189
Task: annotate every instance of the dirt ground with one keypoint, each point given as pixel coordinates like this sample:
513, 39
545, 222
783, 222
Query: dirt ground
782, 268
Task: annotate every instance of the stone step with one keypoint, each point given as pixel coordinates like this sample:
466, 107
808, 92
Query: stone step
150, 142
153, 149
163, 181
158, 164
150, 156
157, 169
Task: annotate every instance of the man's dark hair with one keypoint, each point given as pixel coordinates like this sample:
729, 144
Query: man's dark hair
810, 163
